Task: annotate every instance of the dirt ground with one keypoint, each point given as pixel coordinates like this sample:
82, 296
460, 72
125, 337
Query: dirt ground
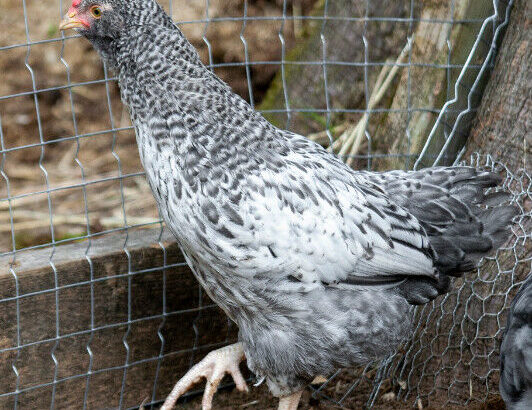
37, 130
259, 398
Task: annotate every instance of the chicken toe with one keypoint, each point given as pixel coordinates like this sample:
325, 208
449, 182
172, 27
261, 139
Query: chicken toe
213, 368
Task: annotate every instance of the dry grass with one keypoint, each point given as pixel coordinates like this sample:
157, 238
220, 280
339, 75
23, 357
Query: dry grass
55, 179
350, 138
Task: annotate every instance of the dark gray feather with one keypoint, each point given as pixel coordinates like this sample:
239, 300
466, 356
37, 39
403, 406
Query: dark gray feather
516, 351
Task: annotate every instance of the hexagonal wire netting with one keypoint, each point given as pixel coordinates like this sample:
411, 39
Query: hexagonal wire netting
369, 79
453, 356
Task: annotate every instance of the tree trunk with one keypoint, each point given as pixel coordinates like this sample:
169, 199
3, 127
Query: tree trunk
423, 89
476, 308
502, 130
299, 87
502, 126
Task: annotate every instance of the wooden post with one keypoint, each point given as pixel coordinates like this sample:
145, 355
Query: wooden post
424, 88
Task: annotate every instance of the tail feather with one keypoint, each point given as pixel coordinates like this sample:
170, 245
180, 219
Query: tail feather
497, 222
495, 198
463, 221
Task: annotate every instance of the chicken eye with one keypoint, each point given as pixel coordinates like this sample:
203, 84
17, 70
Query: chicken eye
96, 12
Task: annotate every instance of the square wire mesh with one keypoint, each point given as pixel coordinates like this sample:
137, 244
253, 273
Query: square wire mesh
344, 73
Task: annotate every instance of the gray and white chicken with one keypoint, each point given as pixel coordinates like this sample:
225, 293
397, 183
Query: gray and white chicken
516, 351
318, 265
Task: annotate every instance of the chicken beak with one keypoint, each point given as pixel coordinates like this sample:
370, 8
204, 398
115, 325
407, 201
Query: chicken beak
71, 21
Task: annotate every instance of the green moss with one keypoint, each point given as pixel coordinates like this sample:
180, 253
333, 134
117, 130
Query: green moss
321, 119
274, 97
52, 31
28, 239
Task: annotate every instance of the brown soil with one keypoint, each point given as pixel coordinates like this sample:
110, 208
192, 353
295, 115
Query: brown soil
259, 398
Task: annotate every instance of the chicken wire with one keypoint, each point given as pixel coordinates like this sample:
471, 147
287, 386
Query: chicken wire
453, 356
84, 180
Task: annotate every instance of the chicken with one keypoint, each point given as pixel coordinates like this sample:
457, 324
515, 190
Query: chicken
318, 265
516, 351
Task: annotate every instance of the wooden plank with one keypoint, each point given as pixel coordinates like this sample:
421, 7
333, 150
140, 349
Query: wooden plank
426, 87
109, 276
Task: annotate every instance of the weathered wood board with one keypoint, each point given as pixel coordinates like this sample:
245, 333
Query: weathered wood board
425, 86
56, 317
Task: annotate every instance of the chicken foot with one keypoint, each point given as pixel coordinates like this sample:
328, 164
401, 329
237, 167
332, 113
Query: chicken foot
213, 367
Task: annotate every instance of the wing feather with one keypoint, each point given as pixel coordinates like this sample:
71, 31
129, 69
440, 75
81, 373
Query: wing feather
296, 211
346, 233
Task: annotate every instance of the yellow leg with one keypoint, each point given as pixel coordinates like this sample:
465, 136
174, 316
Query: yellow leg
290, 402
213, 368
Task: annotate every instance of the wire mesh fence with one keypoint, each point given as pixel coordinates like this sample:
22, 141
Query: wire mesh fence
370, 80
453, 356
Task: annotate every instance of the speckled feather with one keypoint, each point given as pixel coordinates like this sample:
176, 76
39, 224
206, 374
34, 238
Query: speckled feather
319, 265
516, 351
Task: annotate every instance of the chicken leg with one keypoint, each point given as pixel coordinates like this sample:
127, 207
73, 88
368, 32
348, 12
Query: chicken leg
290, 402
213, 368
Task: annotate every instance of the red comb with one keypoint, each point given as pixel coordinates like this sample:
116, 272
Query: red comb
75, 3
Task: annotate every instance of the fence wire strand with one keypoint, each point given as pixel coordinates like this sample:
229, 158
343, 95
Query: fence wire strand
57, 184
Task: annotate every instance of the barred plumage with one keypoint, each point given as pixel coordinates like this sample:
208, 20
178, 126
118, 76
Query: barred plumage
319, 265
516, 351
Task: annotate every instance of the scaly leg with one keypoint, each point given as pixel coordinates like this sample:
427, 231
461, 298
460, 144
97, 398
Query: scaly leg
213, 367
290, 402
